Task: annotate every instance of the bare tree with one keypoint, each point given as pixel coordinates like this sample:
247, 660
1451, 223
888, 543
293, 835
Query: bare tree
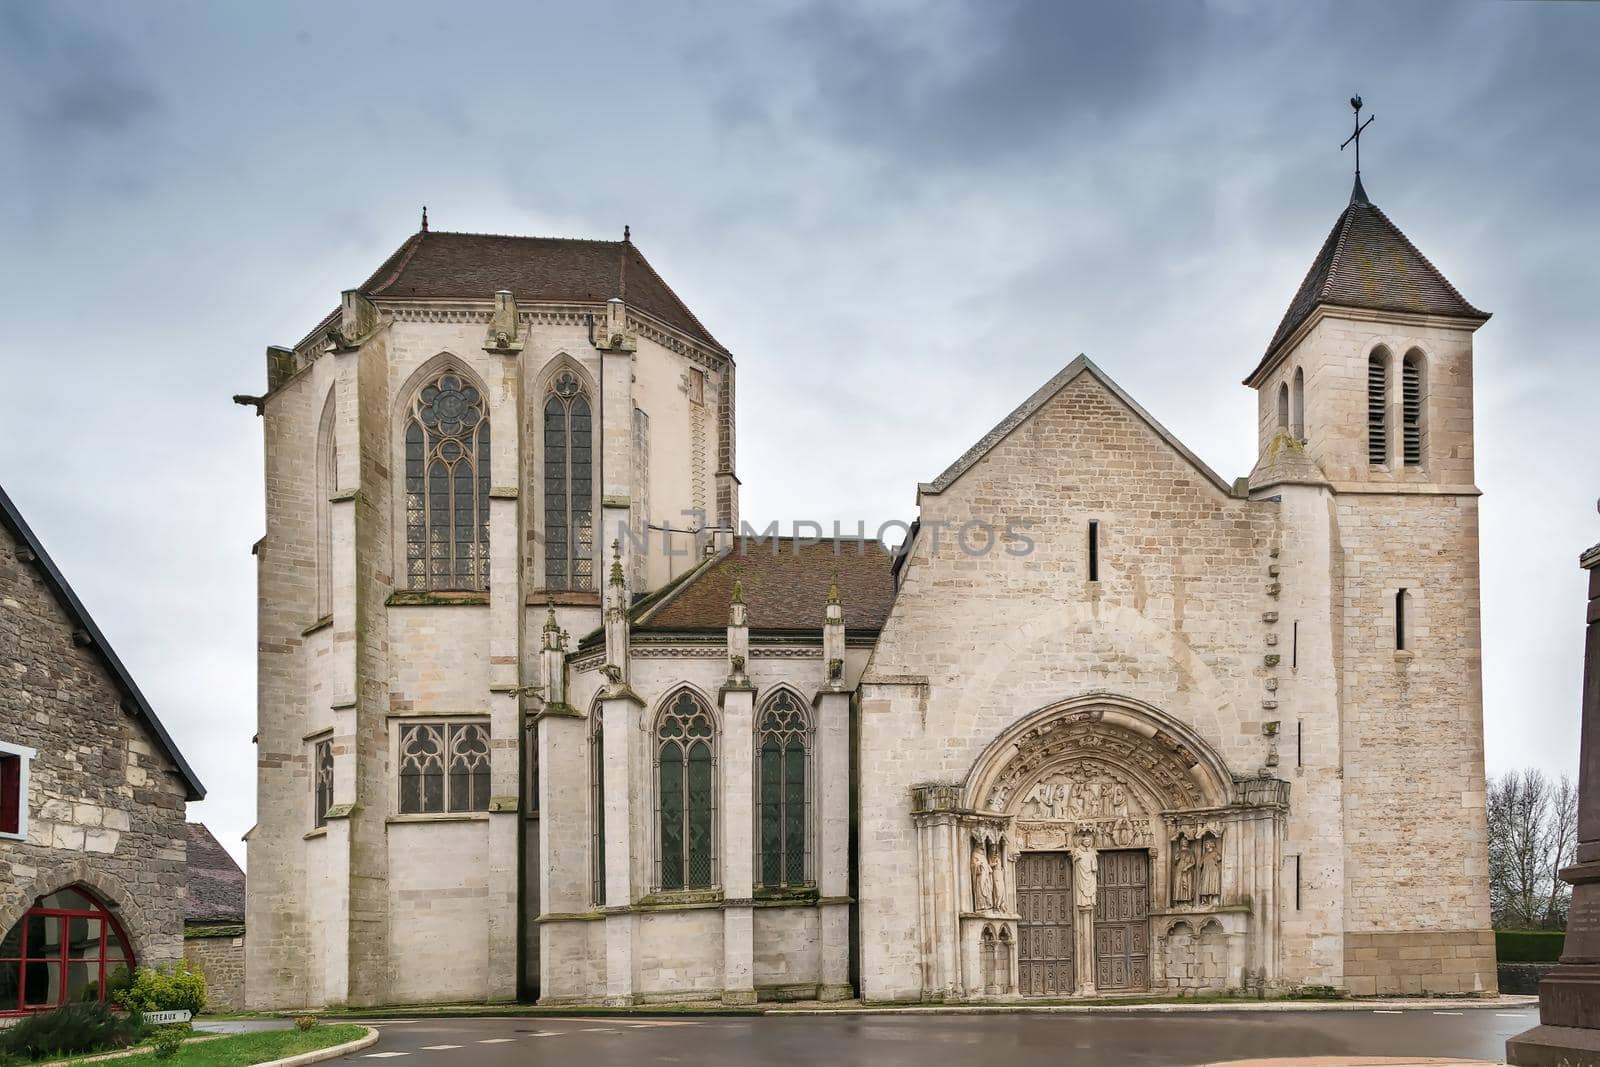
1532, 834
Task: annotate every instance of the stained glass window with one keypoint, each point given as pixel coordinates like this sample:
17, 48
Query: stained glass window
568, 486
686, 783
323, 794
444, 767
783, 744
447, 487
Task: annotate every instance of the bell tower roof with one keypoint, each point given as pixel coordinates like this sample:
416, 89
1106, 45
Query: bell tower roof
1367, 263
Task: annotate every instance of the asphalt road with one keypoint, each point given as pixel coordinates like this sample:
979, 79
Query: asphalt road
1115, 1040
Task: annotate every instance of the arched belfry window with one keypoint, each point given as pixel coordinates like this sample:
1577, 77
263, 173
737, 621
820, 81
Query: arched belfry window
568, 486
327, 483
447, 486
686, 748
1378, 408
783, 758
1411, 410
1299, 404
1283, 405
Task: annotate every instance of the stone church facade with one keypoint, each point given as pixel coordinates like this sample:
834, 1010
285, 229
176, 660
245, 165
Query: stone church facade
540, 719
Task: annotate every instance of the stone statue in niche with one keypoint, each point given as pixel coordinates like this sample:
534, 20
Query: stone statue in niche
1085, 877
1001, 861
983, 895
1210, 871
1183, 865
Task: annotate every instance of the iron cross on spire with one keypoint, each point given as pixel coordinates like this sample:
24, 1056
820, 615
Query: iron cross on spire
1355, 102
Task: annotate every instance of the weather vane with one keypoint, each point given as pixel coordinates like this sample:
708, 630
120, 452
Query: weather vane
1355, 102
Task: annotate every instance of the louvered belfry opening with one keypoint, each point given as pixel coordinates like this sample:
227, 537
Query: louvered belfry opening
1377, 409
1411, 410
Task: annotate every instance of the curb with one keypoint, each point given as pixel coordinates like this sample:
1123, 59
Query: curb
332, 1052
1454, 1004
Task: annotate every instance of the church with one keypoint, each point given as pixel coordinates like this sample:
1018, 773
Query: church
1105, 723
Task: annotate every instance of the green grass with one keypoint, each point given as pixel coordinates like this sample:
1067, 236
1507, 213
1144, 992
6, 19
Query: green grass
235, 1050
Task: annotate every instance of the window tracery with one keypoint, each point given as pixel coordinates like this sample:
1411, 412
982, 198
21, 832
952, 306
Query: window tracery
447, 487
444, 767
685, 778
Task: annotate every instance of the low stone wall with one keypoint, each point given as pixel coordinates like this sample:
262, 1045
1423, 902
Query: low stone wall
218, 952
1419, 961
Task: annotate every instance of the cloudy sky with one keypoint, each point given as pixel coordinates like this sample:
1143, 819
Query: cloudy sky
901, 217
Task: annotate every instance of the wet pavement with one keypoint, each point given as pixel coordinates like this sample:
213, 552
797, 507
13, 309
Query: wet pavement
927, 1040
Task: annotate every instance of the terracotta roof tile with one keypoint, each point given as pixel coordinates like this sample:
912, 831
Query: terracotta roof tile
437, 265
785, 588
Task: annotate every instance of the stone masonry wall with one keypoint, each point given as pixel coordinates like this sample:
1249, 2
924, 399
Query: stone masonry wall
105, 805
973, 644
220, 957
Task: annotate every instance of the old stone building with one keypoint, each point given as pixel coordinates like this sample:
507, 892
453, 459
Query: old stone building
1107, 722
92, 794
213, 919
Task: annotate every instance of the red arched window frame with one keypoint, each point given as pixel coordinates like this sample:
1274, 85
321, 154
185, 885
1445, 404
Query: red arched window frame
61, 950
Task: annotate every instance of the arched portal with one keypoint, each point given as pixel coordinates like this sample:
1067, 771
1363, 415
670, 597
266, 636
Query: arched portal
67, 947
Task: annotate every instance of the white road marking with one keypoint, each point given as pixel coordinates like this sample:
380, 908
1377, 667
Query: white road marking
1387, 1011
384, 1055
598, 1030
495, 1040
1512, 1015
547, 1033
438, 1048
1447, 1013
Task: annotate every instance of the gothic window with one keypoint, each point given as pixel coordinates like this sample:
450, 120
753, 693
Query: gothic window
1411, 409
327, 484
783, 750
322, 796
1402, 601
1283, 405
568, 486
685, 780
61, 951
1378, 408
1299, 404
444, 767
447, 487
597, 807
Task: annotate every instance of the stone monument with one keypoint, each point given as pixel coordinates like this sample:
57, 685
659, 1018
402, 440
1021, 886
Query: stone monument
1568, 1034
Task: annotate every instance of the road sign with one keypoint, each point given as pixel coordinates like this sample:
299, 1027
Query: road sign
160, 1018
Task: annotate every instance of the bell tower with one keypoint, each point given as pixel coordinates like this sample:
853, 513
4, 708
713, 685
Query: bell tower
1364, 401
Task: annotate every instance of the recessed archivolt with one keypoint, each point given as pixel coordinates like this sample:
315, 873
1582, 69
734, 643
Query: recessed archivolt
1162, 764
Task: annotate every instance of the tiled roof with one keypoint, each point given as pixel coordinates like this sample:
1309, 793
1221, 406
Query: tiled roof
786, 584
435, 265
133, 701
216, 884
1366, 262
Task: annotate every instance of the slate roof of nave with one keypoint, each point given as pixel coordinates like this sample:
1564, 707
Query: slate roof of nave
786, 582
438, 265
215, 883
89, 637
1003, 429
1366, 262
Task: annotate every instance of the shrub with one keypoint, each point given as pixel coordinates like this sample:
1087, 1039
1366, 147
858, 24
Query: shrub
1528, 946
179, 988
305, 1022
168, 1040
69, 1031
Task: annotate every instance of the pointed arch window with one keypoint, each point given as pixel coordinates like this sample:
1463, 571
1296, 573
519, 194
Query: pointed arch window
447, 487
1283, 405
1378, 408
783, 790
568, 486
326, 485
686, 740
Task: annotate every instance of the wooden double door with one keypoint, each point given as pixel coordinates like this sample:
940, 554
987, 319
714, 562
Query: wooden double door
1046, 936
